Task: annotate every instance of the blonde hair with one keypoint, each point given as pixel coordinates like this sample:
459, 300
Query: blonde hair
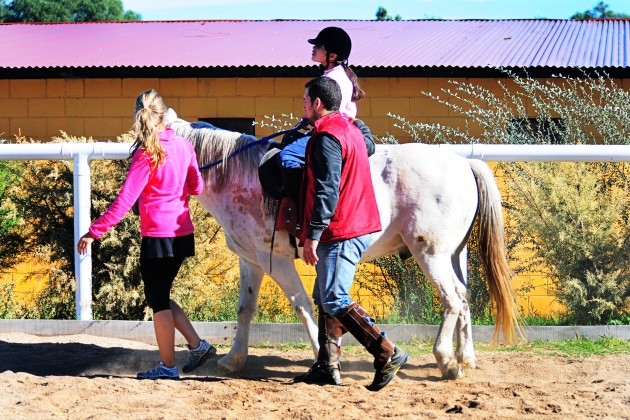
149, 113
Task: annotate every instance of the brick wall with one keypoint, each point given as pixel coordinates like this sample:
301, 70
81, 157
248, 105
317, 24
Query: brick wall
102, 109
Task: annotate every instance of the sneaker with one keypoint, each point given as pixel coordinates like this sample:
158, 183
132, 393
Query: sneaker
385, 374
199, 356
160, 372
320, 374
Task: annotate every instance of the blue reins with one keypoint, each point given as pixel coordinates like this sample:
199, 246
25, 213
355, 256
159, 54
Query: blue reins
264, 140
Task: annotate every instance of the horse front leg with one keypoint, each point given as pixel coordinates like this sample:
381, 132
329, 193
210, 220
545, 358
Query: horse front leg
287, 278
251, 278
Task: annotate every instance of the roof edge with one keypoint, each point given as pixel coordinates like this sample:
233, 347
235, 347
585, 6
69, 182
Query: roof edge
123, 22
301, 72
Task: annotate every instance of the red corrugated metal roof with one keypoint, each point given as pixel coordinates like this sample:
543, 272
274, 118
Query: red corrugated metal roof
424, 43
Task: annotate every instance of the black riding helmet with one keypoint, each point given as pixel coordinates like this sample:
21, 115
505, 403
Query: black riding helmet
334, 40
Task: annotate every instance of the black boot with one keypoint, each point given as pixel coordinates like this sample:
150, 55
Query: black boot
326, 371
320, 374
384, 375
388, 359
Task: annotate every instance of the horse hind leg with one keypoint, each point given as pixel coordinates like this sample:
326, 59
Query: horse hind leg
439, 270
251, 278
465, 346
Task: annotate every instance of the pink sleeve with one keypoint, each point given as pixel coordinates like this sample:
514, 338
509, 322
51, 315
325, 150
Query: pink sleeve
136, 180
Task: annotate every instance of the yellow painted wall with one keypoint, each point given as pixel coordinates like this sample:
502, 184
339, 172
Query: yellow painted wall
102, 109
25, 289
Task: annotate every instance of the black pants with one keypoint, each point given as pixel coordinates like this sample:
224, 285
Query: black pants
158, 275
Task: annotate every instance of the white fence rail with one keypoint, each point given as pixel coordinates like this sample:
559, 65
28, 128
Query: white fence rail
83, 153
541, 153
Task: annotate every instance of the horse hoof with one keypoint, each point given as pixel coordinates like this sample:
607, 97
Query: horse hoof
467, 364
452, 371
226, 367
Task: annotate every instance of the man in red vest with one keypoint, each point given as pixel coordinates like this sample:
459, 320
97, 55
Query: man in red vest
339, 214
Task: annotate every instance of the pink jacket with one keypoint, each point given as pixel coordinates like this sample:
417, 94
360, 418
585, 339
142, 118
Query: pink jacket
162, 192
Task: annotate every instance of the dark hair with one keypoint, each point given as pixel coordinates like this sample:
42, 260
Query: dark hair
357, 92
327, 90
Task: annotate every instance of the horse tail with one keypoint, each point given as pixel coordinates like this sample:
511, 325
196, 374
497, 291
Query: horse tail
493, 254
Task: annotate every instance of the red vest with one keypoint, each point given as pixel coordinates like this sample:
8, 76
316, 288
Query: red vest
356, 213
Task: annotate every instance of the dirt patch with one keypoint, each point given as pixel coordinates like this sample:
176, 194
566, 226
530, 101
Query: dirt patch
83, 376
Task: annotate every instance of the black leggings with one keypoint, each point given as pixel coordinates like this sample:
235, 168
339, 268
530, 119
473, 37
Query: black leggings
158, 275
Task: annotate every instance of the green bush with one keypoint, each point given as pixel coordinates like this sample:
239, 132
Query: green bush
8, 308
207, 286
11, 234
572, 216
579, 233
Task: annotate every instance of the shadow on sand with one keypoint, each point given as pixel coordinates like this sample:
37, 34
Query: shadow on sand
89, 360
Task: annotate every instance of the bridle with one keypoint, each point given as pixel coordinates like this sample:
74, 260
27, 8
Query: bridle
262, 141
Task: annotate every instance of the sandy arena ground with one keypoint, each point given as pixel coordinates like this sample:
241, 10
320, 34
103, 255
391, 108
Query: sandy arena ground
84, 376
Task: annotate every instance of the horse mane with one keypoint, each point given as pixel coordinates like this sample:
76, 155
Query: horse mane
212, 145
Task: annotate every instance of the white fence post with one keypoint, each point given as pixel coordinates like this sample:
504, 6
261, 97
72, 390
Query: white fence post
82, 263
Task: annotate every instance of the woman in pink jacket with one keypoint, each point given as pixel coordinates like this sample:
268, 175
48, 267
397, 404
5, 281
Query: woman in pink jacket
163, 173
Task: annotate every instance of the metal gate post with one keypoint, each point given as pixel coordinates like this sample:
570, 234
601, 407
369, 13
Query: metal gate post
82, 263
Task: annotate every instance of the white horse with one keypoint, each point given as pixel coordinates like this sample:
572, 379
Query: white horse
428, 200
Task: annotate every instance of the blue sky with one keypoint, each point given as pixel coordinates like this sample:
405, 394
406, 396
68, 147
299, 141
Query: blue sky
363, 9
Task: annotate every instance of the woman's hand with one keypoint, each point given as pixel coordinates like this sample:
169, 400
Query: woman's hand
84, 242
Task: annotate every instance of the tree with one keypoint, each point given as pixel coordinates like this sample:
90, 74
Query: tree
11, 233
600, 11
381, 14
64, 11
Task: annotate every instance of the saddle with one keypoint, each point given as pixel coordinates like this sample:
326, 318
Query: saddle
270, 173
282, 185
287, 217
